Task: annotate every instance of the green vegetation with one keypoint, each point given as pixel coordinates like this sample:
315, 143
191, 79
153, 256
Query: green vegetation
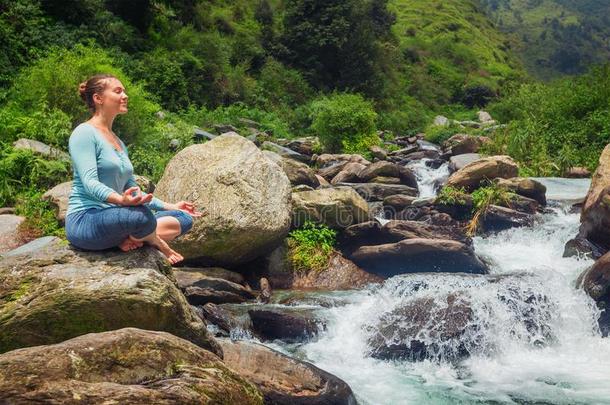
558, 125
39, 217
482, 198
450, 195
555, 37
310, 247
344, 123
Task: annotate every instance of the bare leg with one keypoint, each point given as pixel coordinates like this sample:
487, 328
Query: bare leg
154, 240
168, 228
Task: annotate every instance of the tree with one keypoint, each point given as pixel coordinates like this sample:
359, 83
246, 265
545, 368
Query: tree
337, 44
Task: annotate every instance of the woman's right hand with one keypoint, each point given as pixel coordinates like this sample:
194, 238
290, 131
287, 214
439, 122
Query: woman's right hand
133, 196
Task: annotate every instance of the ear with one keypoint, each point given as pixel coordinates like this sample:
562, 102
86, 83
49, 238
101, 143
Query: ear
97, 98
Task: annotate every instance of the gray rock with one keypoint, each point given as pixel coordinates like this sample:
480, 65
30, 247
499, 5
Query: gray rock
285, 152
484, 116
246, 196
200, 135
458, 162
441, 121
200, 289
9, 232
379, 191
337, 207
58, 198
41, 148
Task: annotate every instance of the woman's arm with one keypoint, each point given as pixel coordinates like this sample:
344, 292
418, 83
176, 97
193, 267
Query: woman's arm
155, 203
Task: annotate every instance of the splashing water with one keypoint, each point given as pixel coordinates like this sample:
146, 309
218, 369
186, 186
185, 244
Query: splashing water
429, 179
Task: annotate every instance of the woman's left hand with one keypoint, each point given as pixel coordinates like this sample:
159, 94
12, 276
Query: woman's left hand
187, 207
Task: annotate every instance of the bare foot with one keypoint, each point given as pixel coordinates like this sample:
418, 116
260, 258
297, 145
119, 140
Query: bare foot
173, 256
130, 244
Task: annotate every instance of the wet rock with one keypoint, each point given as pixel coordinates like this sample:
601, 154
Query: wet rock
418, 255
526, 187
424, 328
414, 156
264, 295
41, 149
284, 380
595, 215
220, 317
498, 218
379, 191
214, 272
405, 152
290, 328
596, 282
126, 366
50, 293
9, 232
398, 201
200, 289
337, 207
471, 176
388, 169
581, 246
247, 198
58, 198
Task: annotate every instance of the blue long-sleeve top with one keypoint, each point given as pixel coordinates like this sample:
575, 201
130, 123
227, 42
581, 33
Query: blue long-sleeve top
99, 169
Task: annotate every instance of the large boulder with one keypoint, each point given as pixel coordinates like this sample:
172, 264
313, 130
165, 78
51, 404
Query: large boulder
297, 172
58, 197
9, 232
328, 159
596, 282
290, 327
349, 172
423, 328
126, 366
418, 255
337, 207
246, 197
457, 162
50, 292
595, 214
489, 168
498, 218
388, 169
284, 380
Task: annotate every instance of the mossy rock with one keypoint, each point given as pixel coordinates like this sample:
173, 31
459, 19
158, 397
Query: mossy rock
50, 292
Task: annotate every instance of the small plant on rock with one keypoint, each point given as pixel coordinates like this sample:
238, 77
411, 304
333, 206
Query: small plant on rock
482, 198
310, 247
450, 195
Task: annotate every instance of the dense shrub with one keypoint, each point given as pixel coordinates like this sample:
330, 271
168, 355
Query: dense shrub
344, 123
310, 247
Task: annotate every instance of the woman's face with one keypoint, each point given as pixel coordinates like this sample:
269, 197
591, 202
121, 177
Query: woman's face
113, 100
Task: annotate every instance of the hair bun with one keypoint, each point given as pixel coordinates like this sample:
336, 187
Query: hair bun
82, 87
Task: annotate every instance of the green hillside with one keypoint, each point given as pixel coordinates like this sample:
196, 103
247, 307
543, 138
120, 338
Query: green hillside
555, 37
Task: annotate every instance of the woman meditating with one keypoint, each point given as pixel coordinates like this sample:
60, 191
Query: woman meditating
106, 207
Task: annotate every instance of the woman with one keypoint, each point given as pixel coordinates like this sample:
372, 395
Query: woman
106, 207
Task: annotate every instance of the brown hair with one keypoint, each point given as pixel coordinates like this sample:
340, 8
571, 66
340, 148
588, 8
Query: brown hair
94, 85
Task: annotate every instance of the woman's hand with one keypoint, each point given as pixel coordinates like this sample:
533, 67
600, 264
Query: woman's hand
187, 207
133, 196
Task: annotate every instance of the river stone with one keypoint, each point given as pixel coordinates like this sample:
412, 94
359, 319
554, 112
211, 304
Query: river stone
526, 187
418, 255
348, 173
419, 329
200, 289
378, 153
327, 159
215, 272
304, 145
220, 317
50, 292
41, 149
340, 274
246, 197
58, 198
471, 176
297, 172
379, 191
577, 172
284, 380
288, 327
460, 144
498, 218
385, 180
595, 215
337, 207
9, 232
398, 201
458, 162
125, 366
388, 169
